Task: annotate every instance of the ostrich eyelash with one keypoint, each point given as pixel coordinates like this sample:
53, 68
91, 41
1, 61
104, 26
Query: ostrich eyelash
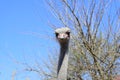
68, 33
56, 34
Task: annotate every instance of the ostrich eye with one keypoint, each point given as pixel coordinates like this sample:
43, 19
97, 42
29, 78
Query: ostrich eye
56, 34
68, 33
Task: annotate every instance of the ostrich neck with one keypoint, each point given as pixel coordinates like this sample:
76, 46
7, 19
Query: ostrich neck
64, 48
64, 64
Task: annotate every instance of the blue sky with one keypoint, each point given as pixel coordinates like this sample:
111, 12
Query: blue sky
23, 25
23, 35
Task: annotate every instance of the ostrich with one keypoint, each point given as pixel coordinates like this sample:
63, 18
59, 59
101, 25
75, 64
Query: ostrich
63, 36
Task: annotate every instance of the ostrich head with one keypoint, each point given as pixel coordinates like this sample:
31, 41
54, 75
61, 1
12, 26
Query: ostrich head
62, 35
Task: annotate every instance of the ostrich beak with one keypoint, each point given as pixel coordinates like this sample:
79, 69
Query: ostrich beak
62, 36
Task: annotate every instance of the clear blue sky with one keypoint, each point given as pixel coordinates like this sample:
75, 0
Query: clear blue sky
20, 23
